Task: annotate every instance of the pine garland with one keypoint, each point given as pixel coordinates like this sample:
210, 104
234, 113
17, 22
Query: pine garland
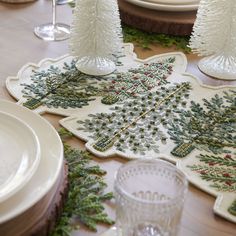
85, 197
145, 39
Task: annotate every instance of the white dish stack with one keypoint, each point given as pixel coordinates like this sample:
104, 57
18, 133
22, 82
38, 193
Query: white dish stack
167, 5
31, 164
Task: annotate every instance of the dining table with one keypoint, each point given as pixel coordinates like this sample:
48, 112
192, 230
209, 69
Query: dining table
19, 45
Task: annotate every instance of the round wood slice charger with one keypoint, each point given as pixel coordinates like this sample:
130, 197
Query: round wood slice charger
154, 21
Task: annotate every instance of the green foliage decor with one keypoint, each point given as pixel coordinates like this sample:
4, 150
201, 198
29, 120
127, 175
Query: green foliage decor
145, 39
86, 193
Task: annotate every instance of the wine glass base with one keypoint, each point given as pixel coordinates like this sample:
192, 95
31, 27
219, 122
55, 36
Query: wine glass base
50, 32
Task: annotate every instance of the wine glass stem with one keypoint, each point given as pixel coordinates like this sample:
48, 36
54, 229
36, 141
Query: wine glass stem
54, 13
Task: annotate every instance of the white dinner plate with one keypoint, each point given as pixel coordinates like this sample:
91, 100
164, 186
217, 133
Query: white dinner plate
174, 2
49, 168
19, 154
164, 7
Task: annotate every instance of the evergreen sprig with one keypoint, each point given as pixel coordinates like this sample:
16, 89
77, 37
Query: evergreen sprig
145, 39
86, 192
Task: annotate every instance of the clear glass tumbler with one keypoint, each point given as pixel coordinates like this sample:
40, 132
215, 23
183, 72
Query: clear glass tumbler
149, 198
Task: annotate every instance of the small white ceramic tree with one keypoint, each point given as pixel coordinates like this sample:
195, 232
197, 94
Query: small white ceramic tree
214, 35
95, 35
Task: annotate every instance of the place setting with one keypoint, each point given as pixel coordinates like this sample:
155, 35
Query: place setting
30, 170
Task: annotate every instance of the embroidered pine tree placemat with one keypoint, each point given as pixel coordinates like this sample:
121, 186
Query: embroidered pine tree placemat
56, 86
149, 108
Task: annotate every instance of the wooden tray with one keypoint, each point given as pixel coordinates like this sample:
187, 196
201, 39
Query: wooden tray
173, 23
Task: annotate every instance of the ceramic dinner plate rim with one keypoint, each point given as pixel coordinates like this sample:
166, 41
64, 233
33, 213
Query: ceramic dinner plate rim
164, 7
14, 206
174, 2
20, 183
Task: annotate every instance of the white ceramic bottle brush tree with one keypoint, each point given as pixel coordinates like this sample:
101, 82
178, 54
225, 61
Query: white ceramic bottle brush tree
96, 35
214, 35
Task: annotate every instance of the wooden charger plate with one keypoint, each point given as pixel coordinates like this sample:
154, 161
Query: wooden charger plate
40, 219
172, 23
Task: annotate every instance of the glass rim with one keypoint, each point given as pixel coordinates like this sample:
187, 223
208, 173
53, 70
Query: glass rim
129, 196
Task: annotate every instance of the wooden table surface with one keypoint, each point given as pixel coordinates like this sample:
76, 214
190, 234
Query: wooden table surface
19, 45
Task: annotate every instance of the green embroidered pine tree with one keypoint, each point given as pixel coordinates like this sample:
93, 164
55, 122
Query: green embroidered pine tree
61, 88
210, 127
220, 171
137, 124
140, 80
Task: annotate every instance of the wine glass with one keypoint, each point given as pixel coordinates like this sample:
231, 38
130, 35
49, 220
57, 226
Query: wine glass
53, 31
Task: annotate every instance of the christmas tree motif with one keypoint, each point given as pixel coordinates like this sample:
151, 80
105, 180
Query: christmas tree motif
216, 40
232, 208
61, 88
136, 125
210, 127
220, 171
140, 80
96, 34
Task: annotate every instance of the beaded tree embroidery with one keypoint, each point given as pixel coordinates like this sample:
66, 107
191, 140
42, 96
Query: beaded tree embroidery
139, 80
137, 124
211, 127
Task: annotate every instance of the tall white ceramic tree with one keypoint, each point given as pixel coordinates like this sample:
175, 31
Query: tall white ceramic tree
214, 35
95, 35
